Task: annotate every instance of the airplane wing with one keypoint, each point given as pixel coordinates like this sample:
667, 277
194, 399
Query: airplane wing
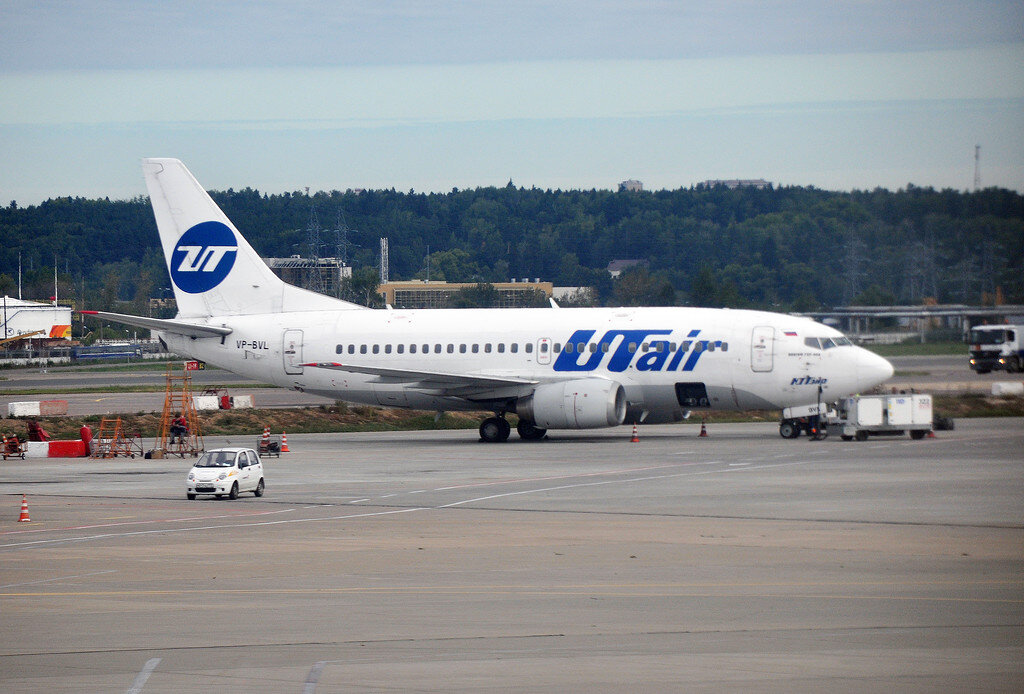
167, 325
459, 385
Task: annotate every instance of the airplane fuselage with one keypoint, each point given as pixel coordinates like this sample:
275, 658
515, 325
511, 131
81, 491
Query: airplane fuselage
668, 360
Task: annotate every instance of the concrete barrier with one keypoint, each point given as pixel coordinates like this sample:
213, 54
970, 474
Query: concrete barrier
23, 409
37, 408
52, 408
206, 402
1008, 388
242, 402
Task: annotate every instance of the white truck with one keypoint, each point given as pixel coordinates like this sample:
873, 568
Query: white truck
861, 416
996, 348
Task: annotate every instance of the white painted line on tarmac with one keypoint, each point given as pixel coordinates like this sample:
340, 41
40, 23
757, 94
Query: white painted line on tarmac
358, 501
313, 677
140, 679
59, 578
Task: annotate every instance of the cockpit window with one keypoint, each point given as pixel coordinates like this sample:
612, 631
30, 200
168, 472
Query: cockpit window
812, 342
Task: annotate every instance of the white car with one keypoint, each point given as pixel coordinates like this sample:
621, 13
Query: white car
227, 471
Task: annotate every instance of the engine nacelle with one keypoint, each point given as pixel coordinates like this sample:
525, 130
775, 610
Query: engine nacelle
585, 403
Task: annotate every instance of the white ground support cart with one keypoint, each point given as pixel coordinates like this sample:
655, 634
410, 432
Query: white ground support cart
861, 416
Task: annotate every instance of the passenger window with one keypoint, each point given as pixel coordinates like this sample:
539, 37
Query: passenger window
401, 348
351, 349
698, 347
725, 346
339, 349
487, 348
671, 346
437, 349
659, 347
528, 349
605, 347
593, 347
570, 347
557, 347
645, 346
387, 349
476, 349
514, 347
426, 349
362, 349
632, 347
451, 348
412, 349
501, 348
462, 349
711, 346
686, 345
376, 349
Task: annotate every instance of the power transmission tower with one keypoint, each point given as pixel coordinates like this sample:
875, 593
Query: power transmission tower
314, 278
384, 263
977, 166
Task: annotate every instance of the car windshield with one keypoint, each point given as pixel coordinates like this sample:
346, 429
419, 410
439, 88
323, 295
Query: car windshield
986, 337
216, 459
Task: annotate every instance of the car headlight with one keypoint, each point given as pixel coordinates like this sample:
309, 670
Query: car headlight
222, 476
191, 476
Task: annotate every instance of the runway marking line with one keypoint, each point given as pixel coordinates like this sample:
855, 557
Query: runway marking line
144, 522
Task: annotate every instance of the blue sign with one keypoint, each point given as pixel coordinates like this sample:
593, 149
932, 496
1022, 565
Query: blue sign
203, 257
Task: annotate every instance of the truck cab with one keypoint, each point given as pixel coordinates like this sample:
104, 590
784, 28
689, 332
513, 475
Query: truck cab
996, 348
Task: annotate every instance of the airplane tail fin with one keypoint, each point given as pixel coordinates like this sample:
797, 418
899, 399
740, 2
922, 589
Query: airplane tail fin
213, 268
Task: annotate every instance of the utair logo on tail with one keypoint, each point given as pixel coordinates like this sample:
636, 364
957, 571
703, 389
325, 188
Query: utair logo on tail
203, 257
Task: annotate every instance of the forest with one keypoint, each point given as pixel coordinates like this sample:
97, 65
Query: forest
778, 248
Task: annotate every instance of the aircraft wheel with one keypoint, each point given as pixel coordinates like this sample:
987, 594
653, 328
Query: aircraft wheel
529, 432
494, 430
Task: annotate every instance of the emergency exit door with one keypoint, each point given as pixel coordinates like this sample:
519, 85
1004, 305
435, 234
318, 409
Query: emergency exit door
292, 351
762, 346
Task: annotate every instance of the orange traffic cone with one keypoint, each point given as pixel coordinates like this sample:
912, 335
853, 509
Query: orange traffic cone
931, 434
636, 437
703, 430
284, 442
23, 518
266, 435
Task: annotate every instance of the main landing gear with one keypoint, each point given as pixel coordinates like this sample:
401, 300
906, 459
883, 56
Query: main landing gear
497, 429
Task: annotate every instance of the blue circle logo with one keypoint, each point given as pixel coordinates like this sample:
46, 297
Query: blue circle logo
203, 257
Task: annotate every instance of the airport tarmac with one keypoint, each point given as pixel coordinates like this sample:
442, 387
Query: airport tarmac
425, 561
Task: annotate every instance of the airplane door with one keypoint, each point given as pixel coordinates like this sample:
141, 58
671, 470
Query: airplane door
762, 345
543, 351
292, 351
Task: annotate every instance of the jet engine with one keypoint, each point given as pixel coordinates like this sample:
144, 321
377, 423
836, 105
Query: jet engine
585, 403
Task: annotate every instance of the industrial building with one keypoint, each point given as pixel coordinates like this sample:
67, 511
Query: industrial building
323, 275
30, 320
423, 294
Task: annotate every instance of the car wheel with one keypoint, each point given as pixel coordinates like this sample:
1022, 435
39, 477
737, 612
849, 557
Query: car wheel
233, 494
191, 496
259, 488
862, 435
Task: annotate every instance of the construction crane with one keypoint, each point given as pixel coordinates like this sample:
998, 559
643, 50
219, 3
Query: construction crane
23, 336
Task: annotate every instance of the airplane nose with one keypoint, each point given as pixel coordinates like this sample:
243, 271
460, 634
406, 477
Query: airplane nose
872, 370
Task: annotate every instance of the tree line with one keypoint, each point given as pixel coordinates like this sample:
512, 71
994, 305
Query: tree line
777, 248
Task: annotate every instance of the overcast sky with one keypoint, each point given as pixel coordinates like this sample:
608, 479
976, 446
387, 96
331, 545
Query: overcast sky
439, 94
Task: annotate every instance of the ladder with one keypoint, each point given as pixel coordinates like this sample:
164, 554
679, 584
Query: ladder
178, 400
112, 441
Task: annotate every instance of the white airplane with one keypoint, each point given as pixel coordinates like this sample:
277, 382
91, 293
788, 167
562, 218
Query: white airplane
555, 368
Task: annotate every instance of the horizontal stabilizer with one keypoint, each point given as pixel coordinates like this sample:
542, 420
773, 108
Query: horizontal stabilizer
167, 325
